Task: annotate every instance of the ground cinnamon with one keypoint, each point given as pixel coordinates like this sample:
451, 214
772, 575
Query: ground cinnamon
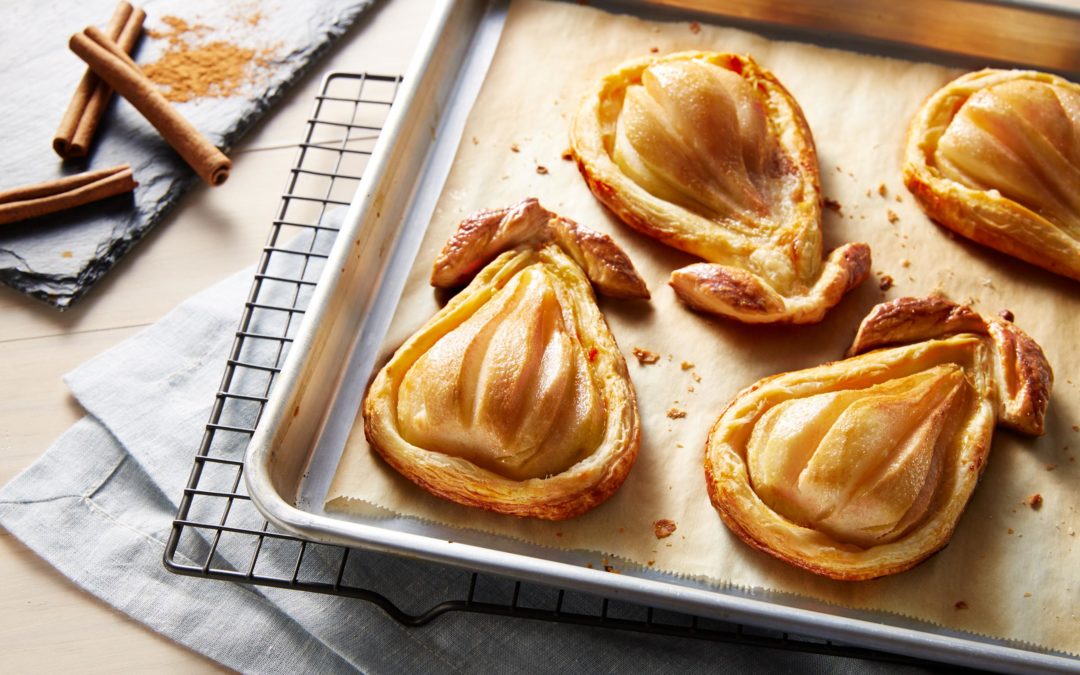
191, 68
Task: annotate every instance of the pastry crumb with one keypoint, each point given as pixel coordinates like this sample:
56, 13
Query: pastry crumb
66, 254
650, 563
609, 568
645, 357
1011, 531
960, 604
654, 50
690, 389
686, 365
679, 445
886, 282
664, 528
834, 205
899, 199
891, 215
695, 27
475, 140
697, 378
905, 263
589, 565
1035, 501
1027, 595
676, 413
882, 190
541, 169
514, 147
1051, 467
568, 155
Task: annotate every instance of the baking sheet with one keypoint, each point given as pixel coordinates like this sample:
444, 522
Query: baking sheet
858, 107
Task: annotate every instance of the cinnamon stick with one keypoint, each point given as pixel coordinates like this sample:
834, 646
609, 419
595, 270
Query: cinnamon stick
30, 201
92, 96
117, 69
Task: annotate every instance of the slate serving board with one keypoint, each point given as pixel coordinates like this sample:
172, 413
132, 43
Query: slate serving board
57, 258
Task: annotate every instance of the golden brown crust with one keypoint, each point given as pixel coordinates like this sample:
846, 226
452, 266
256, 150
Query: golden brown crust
704, 286
721, 289
905, 320
765, 268
986, 215
483, 235
410, 426
966, 371
1024, 378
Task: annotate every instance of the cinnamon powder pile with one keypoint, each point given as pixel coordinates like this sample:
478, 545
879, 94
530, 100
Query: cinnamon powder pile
192, 67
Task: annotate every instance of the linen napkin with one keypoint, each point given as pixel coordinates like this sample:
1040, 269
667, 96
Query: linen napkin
99, 503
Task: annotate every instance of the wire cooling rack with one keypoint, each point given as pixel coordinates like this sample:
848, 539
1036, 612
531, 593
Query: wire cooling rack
217, 533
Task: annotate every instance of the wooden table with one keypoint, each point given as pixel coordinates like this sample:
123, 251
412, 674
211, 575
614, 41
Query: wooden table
46, 622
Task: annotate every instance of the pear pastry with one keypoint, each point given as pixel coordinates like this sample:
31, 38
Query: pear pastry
861, 468
514, 397
708, 153
995, 156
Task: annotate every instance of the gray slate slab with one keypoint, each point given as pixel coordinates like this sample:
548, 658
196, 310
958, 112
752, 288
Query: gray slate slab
57, 258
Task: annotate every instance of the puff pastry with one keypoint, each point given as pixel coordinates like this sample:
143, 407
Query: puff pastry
514, 397
861, 468
710, 154
995, 156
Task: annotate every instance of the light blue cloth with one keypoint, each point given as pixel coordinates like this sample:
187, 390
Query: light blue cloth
98, 506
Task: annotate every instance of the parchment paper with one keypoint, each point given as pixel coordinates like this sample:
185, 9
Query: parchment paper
1010, 572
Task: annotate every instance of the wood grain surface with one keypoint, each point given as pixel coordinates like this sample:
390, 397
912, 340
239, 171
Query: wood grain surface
46, 623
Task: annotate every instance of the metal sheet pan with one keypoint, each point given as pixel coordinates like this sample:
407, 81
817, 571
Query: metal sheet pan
295, 450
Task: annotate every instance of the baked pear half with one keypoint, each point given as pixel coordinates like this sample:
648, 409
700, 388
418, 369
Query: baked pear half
514, 397
861, 468
995, 156
709, 153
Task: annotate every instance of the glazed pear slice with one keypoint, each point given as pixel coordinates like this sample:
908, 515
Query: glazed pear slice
709, 154
862, 465
861, 468
514, 397
995, 156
